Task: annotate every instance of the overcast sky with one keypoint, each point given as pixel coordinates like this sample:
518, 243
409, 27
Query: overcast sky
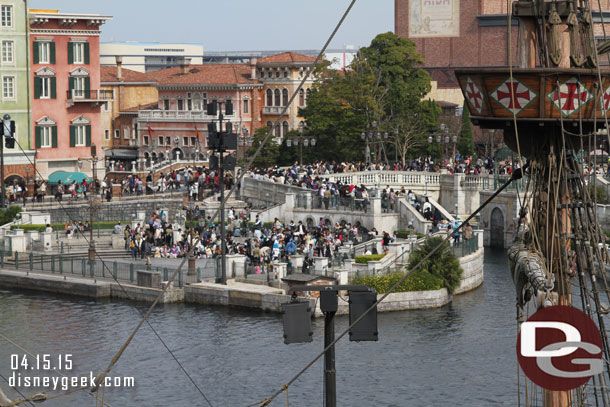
227, 25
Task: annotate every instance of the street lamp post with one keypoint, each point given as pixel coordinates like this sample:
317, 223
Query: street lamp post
301, 141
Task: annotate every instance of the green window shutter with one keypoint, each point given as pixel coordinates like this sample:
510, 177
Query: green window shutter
36, 52
86, 56
70, 52
87, 86
70, 83
52, 53
72, 136
53, 88
54, 136
37, 87
38, 137
88, 135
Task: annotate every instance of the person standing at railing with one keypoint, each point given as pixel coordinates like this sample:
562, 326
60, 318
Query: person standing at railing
467, 232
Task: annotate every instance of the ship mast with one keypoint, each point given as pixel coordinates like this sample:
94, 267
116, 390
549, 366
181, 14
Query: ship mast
550, 104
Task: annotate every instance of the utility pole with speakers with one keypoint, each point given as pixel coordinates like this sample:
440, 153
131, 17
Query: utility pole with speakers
219, 142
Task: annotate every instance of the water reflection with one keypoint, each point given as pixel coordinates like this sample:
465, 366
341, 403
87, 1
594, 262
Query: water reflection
459, 355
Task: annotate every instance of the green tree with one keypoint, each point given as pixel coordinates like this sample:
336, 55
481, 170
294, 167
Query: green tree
465, 140
289, 155
270, 152
383, 84
398, 62
442, 263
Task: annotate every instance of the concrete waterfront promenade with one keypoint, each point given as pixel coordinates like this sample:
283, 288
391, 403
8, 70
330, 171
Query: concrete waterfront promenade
234, 294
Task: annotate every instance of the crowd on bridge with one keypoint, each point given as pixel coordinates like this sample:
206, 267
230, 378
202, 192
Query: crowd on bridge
262, 243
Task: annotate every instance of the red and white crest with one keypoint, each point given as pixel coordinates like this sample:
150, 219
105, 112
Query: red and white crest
474, 95
571, 96
513, 95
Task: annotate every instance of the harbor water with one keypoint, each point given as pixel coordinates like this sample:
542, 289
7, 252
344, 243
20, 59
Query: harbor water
460, 355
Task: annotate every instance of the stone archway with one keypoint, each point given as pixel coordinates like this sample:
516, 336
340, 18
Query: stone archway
496, 228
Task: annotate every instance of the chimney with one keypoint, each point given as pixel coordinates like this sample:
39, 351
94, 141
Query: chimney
184, 65
119, 63
252, 68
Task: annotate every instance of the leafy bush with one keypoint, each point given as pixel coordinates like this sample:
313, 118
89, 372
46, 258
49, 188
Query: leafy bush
417, 281
364, 259
405, 234
599, 194
7, 215
442, 263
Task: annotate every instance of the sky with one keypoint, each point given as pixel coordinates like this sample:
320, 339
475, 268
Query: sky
236, 25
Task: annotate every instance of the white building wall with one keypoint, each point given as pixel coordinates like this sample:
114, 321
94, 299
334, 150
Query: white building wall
135, 55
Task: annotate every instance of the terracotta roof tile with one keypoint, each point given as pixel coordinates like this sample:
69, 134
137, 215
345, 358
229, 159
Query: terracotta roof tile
287, 57
209, 74
109, 74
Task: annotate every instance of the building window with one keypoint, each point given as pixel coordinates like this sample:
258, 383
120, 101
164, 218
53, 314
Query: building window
8, 87
284, 97
189, 101
278, 99
168, 141
80, 134
301, 97
246, 106
197, 102
45, 136
160, 141
7, 52
277, 73
44, 53
117, 133
180, 104
79, 52
269, 124
107, 107
106, 134
126, 133
285, 74
285, 128
185, 141
7, 16
262, 74
269, 97
205, 101
145, 140
165, 104
307, 93
45, 88
193, 141
78, 89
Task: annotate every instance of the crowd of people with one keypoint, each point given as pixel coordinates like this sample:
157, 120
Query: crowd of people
261, 243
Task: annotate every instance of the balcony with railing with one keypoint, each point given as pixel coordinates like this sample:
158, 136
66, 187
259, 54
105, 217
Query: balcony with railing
272, 109
178, 115
96, 97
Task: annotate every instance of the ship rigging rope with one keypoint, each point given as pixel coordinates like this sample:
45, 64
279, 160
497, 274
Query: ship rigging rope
16, 389
128, 296
516, 175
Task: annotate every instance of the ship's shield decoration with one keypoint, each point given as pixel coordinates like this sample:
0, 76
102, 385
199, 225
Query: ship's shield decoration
513, 95
605, 101
571, 96
474, 95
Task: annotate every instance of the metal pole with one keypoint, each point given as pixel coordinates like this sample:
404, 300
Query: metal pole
223, 254
92, 193
330, 374
2, 202
301, 151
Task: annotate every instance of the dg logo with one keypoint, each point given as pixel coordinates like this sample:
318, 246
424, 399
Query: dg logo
559, 348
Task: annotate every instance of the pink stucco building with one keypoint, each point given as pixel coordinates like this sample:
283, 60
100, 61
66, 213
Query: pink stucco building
66, 97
